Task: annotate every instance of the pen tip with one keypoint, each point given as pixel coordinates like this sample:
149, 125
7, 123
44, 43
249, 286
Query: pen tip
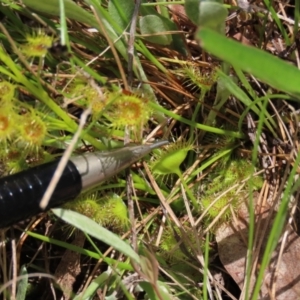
159, 144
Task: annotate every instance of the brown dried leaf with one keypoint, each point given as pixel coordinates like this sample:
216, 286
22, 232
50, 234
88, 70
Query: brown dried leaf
232, 245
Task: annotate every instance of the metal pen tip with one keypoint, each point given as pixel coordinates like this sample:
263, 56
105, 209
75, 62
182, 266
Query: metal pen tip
158, 144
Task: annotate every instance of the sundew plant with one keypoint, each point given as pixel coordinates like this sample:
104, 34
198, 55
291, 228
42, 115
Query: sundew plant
211, 215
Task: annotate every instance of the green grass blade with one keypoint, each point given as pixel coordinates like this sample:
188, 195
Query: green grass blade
108, 260
249, 104
64, 37
264, 66
93, 229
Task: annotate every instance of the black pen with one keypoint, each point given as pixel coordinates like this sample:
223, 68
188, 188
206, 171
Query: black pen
21, 193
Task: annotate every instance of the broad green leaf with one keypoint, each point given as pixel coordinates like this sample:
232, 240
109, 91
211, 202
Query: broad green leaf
212, 15
209, 13
121, 11
192, 10
155, 28
93, 229
146, 10
267, 68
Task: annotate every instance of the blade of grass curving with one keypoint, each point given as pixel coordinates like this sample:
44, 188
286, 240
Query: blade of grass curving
93, 229
261, 99
238, 92
264, 66
242, 96
108, 260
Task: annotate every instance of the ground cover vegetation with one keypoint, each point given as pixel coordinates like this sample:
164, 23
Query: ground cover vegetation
213, 214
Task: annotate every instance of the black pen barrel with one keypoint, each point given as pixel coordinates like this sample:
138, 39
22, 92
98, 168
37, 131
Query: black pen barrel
21, 193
